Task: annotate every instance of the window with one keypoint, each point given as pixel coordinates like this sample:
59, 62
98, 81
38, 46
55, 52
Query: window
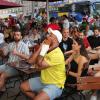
82, 8
97, 7
66, 8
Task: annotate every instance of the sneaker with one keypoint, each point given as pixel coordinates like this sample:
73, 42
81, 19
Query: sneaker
93, 97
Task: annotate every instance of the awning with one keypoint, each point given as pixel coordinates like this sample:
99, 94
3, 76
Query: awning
6, 4
43, 0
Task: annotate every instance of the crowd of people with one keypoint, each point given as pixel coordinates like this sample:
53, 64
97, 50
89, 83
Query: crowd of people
61, 43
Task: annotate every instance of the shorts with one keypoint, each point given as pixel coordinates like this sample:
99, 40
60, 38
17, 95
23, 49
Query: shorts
50, 89
8, 70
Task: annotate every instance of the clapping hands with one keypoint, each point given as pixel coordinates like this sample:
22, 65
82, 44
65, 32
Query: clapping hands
14, 52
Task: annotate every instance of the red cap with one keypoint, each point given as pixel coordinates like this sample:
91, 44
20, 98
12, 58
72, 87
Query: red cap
54, 27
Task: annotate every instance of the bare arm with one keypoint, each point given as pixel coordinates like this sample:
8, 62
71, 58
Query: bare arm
69, 59
68, 52
20, 54
89, 48
41, 63
97, 48
34, 56
94, 56
23, 56
53, 43
96, 68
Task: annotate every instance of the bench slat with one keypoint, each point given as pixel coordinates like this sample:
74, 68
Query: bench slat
88, 86
88, 79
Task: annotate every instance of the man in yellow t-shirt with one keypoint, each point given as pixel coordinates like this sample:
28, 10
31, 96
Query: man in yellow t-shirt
55, 73
52, 66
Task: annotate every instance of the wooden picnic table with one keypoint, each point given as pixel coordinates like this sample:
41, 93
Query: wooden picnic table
23, 66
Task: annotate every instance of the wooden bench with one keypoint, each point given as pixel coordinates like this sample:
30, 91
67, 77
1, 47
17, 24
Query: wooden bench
83, 83
88, 83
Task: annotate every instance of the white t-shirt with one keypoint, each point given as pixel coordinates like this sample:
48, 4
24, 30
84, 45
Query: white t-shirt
89, 33
1, 38
66, 24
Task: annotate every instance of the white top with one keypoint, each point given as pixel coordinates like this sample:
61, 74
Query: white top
1, 38
97, 23
89, 33
66, 24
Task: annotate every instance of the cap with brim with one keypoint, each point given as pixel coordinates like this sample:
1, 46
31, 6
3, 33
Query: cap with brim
56, 33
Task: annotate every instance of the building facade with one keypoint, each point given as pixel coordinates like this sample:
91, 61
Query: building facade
27, 9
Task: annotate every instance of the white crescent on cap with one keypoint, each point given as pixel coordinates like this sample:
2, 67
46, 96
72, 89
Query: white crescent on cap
56, 33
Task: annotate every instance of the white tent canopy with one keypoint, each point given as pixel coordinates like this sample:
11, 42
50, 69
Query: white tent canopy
7, 15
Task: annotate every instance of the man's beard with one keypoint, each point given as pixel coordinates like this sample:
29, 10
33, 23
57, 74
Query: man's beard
17, 40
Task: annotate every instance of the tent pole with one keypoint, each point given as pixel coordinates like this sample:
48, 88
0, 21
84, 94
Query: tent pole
47, 6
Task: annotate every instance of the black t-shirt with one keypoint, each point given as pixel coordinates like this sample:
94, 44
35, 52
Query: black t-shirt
94, 41
66, 45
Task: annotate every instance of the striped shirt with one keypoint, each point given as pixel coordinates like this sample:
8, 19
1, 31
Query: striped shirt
21, 48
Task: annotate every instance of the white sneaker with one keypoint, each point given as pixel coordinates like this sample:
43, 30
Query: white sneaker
93, 97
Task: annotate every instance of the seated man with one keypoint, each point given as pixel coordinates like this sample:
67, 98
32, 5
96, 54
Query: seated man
94, 40
17, 50
52, 65
66, 43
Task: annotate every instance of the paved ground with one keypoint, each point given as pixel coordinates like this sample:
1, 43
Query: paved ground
15, 83
16, 90
22, 97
